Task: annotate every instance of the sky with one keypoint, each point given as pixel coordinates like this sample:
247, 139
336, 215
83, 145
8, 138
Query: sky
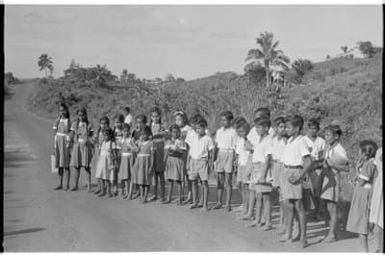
186, 41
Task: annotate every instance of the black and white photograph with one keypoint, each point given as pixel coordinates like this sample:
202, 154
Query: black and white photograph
193, 127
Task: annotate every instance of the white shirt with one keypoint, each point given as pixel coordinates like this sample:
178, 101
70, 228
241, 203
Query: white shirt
106, 147
226, 138
128, 119
315, 147
336, 154
200, 147
253, 133
262, 148
294, 151
240, 150
278, 147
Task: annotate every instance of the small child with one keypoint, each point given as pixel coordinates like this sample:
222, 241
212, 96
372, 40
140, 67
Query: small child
226, 141
175, 151
158, 137
98, 139
358, 219
279, 142
118, 137
128, 118
141, 124
316, 147
106, 166
261, 187
81, 156
335, 160
243, 164
143, 168
297, 163
62, 144
126, 161
200, 161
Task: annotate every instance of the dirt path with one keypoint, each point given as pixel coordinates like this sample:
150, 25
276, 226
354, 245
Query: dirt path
36, 218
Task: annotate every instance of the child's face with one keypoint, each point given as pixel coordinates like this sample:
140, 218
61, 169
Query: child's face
140, 124
201, 131
126, 132
62, 111
225, 122
242, 132
155, 117
103, 124
144, 136
330, 138
281, 129
175, 133
105, 136
118, 124
312, 131
261, 130
82, 116
291, 130
179, 121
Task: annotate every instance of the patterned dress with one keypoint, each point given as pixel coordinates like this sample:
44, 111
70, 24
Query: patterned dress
175, 159
126, 160
82, 150
142, 173
62, 142
105, 168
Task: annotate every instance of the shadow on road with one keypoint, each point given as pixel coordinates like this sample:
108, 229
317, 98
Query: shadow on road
23, 231
16, 158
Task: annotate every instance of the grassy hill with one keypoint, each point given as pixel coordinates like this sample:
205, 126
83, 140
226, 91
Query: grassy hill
346, 90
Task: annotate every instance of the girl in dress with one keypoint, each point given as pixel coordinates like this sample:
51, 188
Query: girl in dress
158, 136
81, 156
175, 150
143, 169
98, 139
118, 137
358, 219
106, 167
126, 161
62, 140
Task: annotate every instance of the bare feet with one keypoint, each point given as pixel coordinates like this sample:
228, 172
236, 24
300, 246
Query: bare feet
217, 206
253, 224
330, 239
74, 189
245, 217
228, 208
168, 201
193, 206
205, 208
286, 239
101, 194
58, 187
188, 201
267, 227
97, 191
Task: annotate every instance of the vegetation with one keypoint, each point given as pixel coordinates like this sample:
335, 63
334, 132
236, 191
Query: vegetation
269, 54
302, 66
45, 63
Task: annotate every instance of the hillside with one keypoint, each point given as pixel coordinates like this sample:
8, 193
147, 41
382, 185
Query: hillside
346, 90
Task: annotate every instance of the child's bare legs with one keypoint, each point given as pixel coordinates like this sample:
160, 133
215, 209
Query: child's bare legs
61, 172
201, 194
99, 188
228, 180
364, 242
250, 212
282, 217
168, 200
380, 239
109, 184
194, 187
220, 186
88, 171
302, 221
267, 209
205, 195
289, 214
145, 193
68, 173
189, 190
258, 211
245, 197
180, 191
162, 185
332, 209
103, 188
77, 176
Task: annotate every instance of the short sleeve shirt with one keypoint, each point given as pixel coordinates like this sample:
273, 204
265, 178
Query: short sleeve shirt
294, 151
316, 147
226, 138
242, 152
367, 172
128, 119
262, 147
336, 154
278, 147
200, 147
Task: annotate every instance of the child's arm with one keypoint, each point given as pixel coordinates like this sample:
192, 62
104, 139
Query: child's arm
152, 156
262, 179
211, 159
340, 167
307, 166
249, 146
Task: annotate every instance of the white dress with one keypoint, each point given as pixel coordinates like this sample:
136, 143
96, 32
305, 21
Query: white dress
377, 204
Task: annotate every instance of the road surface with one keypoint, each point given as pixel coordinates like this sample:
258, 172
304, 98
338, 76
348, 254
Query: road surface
39, 219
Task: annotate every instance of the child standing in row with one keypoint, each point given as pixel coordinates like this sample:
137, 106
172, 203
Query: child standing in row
158, 133
175, 149
106, 166
358, 219
226, 140
81, 155
104, 123
200, 160
126, 161
143, 169
118, 137
62, 139
128, 116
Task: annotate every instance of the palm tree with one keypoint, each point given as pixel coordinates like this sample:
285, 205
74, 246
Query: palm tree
302, 66
269, 54
45, 63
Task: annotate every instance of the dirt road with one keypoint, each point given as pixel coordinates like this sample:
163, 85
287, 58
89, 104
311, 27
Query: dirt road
37, 218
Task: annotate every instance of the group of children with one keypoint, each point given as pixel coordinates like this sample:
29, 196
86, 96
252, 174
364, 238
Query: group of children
268, 158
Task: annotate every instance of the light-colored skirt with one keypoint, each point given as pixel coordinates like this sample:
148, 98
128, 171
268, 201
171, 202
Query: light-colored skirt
62, 152
126, 163
174, 168
104, 170
377, 203
358, 219
142, 173
81, 154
